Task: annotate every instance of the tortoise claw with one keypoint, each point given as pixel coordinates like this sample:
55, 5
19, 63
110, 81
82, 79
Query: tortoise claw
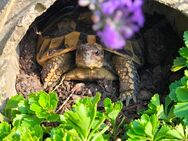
127, 96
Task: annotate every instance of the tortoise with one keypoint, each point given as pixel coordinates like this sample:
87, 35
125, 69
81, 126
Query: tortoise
79, 56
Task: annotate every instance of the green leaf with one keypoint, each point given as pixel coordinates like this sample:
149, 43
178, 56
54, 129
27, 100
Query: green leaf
144, 128
34, 133
155, 100
185, 38
162, 133
186, 131
184, 52
98, 136
182, 94
148, 129
13, 102
4, 129
18, 119
186, 73
53, 117
23, 107
43, 100
112, 109
33, 98
11, 108
82, 116
169, 109
181, 111
53, 100
84, 122
80, 119
177, 132
154, 107
173, 87
26, 131
137, 128
58, 134
178, 64
184, 81
48, 101
26, 120
13, 136
155, 122
44, 105
36, 108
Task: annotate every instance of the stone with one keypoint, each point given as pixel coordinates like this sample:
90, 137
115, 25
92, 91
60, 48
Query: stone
175, 11
16, 17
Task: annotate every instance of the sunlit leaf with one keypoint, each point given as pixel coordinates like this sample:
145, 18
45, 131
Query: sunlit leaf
185, 38
182, 94
5, 129
173, 87
178, 64
184, 52
181, 111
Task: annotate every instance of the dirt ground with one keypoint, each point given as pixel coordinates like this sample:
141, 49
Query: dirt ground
160, 44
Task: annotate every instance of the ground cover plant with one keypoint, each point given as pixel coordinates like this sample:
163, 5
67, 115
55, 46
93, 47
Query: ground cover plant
168, 121
29, 118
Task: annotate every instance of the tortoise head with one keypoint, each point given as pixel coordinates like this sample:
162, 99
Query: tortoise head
90, 56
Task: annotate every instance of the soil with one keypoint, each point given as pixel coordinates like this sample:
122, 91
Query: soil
161, 46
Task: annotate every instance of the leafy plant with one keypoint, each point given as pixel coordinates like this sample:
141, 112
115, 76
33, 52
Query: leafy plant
153, 127
179, 89
169, 121
182, 61
179, 94
4, 129
83, 122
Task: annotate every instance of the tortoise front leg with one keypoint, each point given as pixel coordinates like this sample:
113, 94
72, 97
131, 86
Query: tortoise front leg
128, 78
53, 70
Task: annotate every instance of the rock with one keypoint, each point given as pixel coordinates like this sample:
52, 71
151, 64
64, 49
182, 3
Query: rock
175, 12
17, 17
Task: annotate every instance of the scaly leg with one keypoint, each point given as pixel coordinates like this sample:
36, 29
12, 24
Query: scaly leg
53, 70
128, 78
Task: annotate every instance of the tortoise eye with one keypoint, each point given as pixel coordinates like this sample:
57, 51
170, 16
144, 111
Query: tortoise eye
97, 53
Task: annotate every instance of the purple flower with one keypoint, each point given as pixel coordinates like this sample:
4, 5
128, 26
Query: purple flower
129, 22
116, 20
111, 37
109, 7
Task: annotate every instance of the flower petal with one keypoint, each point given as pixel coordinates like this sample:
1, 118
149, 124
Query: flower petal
112, 38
